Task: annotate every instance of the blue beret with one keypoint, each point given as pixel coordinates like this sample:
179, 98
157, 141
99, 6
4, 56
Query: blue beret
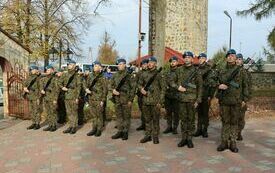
144, 61
230, 51
48, 67
96, 63
152, 58
71, 62
202, 55
34, 67
121, 60
173, 58
188, 53
239, 56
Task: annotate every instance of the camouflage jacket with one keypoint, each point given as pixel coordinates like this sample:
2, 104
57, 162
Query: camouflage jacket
249, 82
156, 92
234, 94
127, 91
53, 89
137, 78
34, 90
74, 87
192, 94
100, 89
210, 81
170, 92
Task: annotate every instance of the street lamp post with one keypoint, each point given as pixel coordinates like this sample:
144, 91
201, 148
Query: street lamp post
230, 39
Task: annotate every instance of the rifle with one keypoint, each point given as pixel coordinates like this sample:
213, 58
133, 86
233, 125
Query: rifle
151, 80
187, 83
30, 85
71, 78
48, 84
94, 81
118, 87
230, 81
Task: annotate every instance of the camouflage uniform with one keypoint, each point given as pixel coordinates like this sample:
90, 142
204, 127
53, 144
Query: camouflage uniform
50, 98
230, 105
187, 99
98, 94
241, 120
34, 98
71, 95
171, 103
140, 97
209, 87
81, 103
122, 109
61, 111
155, 95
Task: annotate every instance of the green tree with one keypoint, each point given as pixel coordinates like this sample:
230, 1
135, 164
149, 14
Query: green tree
219, 57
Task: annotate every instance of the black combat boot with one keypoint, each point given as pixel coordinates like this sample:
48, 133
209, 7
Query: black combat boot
223, 146
37, 126
240, 137
146, 139
98, 133
233, 147
168, 130
204, 133
190, 143
117, 135
175, 131
92, 132
68, 130
124, 136
198, 133
47, 128
31, 127
182, 143
156, 140
73, 131
141, 127
53, 129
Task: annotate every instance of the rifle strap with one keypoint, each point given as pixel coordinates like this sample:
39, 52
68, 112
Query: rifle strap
70, 80
32, 82
48, 83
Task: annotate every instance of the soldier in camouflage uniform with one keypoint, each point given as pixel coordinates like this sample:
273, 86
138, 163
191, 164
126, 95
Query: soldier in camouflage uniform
241, 121
209, 86
71, 85
123, 99
188, 82
232, 95
171, 99
49, 91
153, 100
96, 88
32, 93
81, 103
61, 110
140, 97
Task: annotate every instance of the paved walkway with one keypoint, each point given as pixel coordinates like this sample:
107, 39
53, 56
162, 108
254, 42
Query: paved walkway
23, 151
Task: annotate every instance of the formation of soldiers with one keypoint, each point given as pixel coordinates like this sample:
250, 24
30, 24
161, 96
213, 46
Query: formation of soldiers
182, 91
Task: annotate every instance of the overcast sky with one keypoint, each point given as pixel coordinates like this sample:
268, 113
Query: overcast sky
120, 19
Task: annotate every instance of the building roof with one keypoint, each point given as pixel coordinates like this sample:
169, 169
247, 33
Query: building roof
15, 40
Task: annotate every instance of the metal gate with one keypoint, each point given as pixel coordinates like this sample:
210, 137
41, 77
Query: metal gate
17, 105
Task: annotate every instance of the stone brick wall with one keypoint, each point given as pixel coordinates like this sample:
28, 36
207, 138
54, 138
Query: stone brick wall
263, 80
178, 24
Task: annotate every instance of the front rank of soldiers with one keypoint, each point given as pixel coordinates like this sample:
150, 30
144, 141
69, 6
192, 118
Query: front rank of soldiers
183, 91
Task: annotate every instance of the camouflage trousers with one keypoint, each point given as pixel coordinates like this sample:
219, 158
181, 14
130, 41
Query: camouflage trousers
72, 112
123, 115
172, 112
241, 120
142, 118
35, 111
230, 115
187, 119
96, 111
51, 110
152, 115
203, 114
